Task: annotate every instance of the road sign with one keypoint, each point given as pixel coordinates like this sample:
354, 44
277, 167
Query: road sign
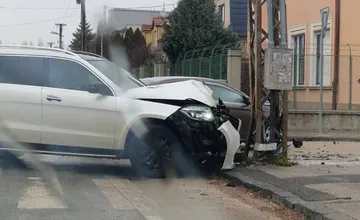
324, 20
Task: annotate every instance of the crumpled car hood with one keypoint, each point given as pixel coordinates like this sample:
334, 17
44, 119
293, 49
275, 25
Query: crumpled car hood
190, 89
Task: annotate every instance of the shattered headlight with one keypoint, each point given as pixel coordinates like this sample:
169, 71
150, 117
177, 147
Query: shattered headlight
199, 113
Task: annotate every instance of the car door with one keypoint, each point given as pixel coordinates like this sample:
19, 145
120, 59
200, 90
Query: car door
71, 115
21, 80
235, 102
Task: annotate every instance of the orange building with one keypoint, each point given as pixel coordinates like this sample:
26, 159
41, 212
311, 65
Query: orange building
303, 23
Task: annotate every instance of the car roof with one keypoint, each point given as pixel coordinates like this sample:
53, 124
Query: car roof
22, 50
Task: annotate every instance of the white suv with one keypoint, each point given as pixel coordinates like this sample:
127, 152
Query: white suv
76, 103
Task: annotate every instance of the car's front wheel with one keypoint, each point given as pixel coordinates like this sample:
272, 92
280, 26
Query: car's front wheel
157, 148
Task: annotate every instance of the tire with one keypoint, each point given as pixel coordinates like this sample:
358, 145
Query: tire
9, 155
157, 148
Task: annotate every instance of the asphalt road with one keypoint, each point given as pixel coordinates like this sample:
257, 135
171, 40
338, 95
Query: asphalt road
94, 189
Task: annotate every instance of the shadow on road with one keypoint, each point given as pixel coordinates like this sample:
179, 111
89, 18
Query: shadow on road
93, 167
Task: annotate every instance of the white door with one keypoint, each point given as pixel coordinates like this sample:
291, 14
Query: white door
21, 81
71, 115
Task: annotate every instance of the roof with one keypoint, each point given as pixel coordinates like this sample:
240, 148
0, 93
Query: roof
119, 17
146, 27
159, 21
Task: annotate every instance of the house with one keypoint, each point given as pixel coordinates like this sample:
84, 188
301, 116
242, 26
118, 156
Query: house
153, 33
303, 24
234, 15
120, 19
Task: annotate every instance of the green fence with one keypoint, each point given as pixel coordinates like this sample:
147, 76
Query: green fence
208, 62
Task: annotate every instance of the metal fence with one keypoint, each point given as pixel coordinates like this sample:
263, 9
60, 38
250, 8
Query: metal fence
208, 62
305, 93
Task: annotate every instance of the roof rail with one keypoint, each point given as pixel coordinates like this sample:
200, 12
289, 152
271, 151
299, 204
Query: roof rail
37, 48
86, 53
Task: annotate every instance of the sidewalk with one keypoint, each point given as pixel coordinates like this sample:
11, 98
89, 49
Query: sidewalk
324, 185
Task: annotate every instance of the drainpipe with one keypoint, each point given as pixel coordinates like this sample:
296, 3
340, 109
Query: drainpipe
337, 54
350, 77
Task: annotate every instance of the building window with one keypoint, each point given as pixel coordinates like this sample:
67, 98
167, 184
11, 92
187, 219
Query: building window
299, 59
315, 54
327, 58
222, 12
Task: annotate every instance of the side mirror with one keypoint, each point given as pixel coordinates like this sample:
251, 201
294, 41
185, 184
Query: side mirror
98, 88
246, 100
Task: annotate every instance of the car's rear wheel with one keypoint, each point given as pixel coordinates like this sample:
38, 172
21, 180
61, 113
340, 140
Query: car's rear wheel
156, 148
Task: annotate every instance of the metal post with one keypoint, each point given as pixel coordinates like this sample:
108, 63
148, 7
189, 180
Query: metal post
324, 17
83, 28
350, 77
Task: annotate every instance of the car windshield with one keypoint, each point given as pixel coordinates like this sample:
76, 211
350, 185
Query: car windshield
118, 75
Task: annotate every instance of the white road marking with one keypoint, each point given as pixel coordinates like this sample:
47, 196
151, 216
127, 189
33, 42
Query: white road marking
37, 196
153, 218
143, 204
117, 200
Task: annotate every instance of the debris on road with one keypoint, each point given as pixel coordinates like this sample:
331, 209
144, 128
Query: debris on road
253, 199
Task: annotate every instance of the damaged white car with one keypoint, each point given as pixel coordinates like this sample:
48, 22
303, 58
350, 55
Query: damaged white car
80, 104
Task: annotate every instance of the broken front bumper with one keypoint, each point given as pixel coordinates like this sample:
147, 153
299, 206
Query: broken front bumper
233, 143
209, 143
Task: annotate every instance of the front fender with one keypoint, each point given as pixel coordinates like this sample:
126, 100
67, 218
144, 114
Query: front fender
133, 110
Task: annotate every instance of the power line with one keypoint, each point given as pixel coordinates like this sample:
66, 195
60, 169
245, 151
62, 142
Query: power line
36, 22
70, 16
61, 8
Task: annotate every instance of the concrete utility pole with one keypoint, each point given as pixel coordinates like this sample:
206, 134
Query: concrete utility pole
50, 44
60, 33
269, 82
102, 31
83, 23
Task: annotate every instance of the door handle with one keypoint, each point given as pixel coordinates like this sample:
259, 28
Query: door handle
51, 98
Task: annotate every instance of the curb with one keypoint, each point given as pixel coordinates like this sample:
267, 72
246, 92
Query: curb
325, 138
283, 197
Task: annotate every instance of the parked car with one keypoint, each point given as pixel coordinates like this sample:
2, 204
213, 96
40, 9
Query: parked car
80, 104
237, 101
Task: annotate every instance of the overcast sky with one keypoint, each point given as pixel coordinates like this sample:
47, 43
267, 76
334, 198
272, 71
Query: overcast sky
31, 20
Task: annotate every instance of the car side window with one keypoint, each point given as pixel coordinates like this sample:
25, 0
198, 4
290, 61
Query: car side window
225, 94
65, 74
22, 70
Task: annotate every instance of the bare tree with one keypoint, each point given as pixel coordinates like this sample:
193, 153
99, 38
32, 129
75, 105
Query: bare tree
24, 43
31, 43
40, 42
